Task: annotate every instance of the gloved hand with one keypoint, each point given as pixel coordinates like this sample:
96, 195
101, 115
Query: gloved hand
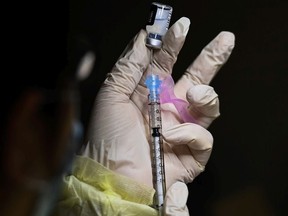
119, 134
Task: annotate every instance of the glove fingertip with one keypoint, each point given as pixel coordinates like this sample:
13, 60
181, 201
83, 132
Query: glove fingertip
204, 104
179, 28
176, 199
226, 38
184, 24
200, 95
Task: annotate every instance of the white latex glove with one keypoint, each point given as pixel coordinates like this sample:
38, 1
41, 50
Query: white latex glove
119, 134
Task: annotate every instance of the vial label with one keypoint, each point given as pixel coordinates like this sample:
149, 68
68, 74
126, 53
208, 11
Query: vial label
153, 11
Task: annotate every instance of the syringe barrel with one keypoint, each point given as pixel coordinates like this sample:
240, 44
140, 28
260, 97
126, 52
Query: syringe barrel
153, 84
157, 154
158, 170
155, 120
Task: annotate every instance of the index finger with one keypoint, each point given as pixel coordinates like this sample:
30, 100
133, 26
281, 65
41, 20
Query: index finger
130, 66
173, 42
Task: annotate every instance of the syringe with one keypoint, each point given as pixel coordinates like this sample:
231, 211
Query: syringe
157, 154
157, 26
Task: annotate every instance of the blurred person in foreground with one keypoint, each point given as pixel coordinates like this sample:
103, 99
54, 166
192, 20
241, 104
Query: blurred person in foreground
40, 128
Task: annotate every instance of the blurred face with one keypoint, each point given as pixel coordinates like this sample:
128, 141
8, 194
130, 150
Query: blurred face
40, 133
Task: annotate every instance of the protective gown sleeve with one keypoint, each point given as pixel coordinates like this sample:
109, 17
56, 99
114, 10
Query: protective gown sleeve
92, 189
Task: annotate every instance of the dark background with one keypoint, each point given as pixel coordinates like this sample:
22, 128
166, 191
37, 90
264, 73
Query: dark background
247, 173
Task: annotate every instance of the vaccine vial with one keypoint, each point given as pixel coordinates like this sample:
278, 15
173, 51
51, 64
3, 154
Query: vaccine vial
158, 24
